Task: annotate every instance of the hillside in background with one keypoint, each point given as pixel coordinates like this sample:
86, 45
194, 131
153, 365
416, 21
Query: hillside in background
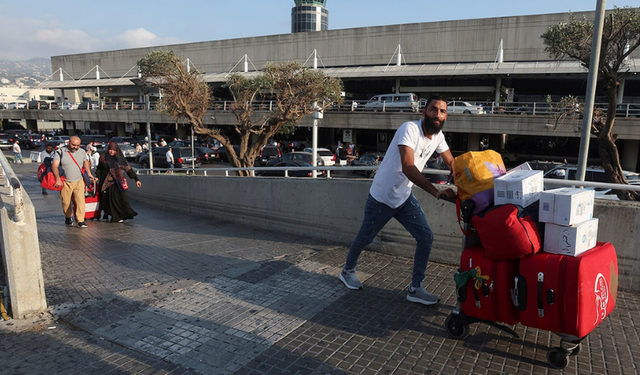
28, 73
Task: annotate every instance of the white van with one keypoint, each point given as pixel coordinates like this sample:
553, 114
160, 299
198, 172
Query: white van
393, 102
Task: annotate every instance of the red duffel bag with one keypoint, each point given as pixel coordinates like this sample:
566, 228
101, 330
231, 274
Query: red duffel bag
508, 231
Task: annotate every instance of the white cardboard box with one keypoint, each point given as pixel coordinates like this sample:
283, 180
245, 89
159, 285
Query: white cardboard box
566, 206
570, 240
521, 187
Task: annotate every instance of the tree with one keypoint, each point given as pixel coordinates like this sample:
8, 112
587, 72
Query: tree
185, 94
294, 90
621, 36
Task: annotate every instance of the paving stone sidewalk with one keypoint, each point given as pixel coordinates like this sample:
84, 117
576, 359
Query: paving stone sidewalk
177, 294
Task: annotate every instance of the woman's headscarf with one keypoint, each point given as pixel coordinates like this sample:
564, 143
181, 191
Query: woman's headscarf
117, 163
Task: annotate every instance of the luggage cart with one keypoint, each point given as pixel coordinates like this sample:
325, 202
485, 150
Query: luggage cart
457, 323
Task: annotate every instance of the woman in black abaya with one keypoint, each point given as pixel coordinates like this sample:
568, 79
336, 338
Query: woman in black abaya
112, 170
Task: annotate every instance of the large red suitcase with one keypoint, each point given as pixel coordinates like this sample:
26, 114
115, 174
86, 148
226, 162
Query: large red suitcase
488, 295
92, 207
91, 203
569, 295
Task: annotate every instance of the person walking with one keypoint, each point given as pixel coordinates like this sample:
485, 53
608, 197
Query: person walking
390, 195
47, 153
169, 158
111, 171
17, 152
71, 158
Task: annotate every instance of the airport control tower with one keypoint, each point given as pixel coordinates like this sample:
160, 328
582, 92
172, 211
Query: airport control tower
309, 15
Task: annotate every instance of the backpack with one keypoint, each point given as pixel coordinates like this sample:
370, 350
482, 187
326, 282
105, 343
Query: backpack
508, 231
473, 174
46, 177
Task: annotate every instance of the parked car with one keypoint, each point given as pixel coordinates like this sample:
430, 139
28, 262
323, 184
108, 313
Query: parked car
370, 159
592, 174
125, 140
222, 153
296, 143
628, 110
6, 140
88, 105
182, 156
29, 141
393, 102
58, 140
96, 140
17, 105
532, 109
128, 151
327, 156
436, 178
292, 173
267, 153
180, 143
464, 107
37, 104
296, 155
205, 154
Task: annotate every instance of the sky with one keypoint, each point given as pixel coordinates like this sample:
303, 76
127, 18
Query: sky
39, 28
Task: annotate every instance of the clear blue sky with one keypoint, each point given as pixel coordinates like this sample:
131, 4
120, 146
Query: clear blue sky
45, 28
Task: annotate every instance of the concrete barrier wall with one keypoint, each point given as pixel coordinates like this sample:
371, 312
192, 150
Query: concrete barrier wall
21, 258
331, 210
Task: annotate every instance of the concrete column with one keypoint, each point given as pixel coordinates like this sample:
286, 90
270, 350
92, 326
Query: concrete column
473, 142
630, 155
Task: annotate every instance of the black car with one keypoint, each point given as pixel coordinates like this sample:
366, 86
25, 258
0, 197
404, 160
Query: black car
436, 178
267, 153
37, 104
292, 172
182, 157
298, 156
222, 153
367, 160
6, 140
29, 141
205, 154
88, 105
129, 140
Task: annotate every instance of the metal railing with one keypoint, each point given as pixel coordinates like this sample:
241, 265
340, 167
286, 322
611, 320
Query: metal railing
254, 172
631, 110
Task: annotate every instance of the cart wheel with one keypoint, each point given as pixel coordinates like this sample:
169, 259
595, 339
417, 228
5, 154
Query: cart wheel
576, 350
455, 329
557, 358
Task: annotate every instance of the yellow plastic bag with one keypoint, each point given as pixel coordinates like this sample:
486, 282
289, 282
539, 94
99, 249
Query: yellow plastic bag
473, 174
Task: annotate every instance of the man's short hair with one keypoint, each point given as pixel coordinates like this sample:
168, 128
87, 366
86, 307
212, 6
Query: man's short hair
436, 97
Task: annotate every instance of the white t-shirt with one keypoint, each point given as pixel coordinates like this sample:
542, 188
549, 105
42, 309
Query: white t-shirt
391, 186
169, 156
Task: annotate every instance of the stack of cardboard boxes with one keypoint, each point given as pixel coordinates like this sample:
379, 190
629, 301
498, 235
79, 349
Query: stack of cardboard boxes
570, 228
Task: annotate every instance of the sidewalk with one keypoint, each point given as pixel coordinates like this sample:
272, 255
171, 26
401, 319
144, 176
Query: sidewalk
169, 293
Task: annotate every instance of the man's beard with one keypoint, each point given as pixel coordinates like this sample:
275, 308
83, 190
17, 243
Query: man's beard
431, 126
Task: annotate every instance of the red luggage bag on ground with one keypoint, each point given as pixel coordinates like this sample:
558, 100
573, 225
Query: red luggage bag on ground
487, 295
568, 295
91, 203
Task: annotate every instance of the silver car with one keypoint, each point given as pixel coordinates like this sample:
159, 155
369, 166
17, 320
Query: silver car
128, 151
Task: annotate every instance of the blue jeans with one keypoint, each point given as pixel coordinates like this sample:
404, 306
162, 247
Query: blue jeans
17, 156
412, 218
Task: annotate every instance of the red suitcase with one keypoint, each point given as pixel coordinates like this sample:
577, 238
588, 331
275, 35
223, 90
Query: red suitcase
568, 295
488, 295
91, 207
91, 203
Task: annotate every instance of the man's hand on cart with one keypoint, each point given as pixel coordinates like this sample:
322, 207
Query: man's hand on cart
446, 193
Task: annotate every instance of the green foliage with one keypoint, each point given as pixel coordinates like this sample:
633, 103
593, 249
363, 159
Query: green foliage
573, 39
185, 94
